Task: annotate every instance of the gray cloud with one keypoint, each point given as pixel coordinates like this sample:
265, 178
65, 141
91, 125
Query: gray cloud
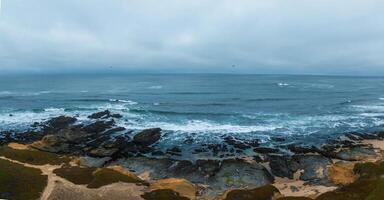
271, 36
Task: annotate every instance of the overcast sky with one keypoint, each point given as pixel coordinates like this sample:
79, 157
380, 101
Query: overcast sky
238, 36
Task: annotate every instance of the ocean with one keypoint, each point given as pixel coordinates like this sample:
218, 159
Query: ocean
205, 107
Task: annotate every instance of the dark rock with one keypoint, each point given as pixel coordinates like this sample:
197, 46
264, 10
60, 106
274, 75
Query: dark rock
282, 166
163, 194
235, 143
302, 149
354, 136
265, 150
103, 152
53, 144
175, 151
208, 167
103, 114
117, 116
278, 139
98, 127
315, 167
114, 130
61, 122
236, 173
148, 136
72, 135
158, 153
357, 153
267, 192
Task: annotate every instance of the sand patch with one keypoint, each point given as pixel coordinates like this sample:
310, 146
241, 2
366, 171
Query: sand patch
341, 173
181, 186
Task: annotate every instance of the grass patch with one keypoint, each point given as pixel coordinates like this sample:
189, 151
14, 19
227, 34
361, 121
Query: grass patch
18, 182
163, 194
77, 175
261, 193
32, 157
107, 176
95, 178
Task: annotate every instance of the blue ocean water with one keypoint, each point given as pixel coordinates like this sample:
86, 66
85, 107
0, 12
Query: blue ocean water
307, 109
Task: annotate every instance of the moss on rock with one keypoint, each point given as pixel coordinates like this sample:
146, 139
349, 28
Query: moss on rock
18, 182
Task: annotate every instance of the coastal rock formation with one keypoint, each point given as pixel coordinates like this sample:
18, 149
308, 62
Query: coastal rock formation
147, 137
99, 160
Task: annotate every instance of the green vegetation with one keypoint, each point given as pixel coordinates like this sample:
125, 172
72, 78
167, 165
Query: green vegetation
262, 193
77, 175
20, 183
32, 157
163, 194
95, 178
107, 176
294, 198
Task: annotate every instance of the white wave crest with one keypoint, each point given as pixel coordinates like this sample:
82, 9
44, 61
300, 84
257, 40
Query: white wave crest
129, 102
282, 84
199, 126
155, 87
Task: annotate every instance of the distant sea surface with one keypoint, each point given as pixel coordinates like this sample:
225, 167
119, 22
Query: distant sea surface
306, 109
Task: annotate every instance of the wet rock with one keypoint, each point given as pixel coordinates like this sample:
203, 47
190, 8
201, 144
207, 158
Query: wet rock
117, 116
114, 130
92, 161
278, 139
53, 144
235, 143
163, 194
358, 153
236, 173
148, 136
302, 149
102, 114
157, 168
132, 149
176, 151
282, 165
72, 135
103, 152
265, 150
158, 153
315, 167
61, 122
98, 127
208, 167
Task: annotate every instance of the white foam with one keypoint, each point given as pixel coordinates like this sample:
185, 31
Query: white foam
283, 84
200, 126
129, 102
5, 93
155, 87
369, 108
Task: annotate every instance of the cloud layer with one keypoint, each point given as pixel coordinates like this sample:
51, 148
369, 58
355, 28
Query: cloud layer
264, 36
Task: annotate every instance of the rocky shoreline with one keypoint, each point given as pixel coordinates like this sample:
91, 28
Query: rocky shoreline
100, 160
